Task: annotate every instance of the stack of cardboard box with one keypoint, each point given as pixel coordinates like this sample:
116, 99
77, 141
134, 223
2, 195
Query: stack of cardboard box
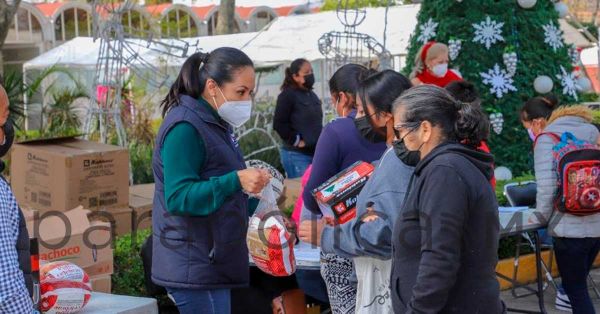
57, 179
141, 198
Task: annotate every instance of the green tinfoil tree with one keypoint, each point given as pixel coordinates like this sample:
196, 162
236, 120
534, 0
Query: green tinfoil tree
490, 32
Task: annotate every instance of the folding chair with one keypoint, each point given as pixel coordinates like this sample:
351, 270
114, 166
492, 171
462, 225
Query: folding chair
524, 194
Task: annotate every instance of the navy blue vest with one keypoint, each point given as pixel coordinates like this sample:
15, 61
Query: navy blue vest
207, 252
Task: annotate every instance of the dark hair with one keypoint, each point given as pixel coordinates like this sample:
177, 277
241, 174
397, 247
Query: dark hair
347, 79
381, 89
219, 65
290, 71
539, 107
459, 121
463, 91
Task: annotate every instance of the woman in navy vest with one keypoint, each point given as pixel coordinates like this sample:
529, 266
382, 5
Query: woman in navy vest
200, 212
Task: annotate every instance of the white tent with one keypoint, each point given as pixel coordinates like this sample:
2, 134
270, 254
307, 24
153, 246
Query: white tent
291, 37
82, 52
284, 40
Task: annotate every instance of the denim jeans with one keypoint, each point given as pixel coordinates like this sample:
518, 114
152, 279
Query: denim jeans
294, 163
575, 257
189, 301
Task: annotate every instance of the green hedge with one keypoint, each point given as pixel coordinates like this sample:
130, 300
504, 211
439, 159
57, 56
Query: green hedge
128, 276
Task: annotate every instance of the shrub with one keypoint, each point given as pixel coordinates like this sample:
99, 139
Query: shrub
128, 277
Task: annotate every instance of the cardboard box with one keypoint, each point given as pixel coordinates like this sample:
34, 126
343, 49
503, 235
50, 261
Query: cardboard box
292, 189
101, 268
339, 193
101, 283
71, 236
58, 174
119, 218
141, 198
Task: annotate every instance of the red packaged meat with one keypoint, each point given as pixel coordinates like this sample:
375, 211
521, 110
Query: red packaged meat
270, 244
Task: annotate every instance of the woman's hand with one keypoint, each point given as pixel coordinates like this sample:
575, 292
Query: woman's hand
306, 234
301, 144
253, 180
371, 215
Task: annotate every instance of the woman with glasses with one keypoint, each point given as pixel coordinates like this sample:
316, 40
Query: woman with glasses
373, 125
445, 239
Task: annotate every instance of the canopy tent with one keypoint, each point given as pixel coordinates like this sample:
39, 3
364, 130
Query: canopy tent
284, 40
290, 37
82, 52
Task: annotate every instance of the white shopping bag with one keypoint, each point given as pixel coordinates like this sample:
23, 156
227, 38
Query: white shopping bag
373, 291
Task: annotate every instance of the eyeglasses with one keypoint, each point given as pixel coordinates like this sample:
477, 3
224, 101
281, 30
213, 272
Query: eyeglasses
410, 126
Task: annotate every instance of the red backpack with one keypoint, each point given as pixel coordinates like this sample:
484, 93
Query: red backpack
577, 164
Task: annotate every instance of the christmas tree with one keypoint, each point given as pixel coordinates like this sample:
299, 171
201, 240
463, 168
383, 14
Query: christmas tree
503, 47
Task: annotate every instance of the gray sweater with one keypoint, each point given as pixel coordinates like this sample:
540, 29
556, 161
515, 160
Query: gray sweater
386, 189
562, 225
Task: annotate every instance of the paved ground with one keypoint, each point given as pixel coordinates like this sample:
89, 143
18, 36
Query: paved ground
531, 302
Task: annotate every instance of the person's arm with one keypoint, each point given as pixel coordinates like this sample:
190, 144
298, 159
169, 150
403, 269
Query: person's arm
356, 238
281, 119
545, 176
442, 218
184, 155
326, 164
14, 297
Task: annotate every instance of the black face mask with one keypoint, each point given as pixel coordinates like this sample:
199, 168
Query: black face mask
408, 157
366, 130
309, 81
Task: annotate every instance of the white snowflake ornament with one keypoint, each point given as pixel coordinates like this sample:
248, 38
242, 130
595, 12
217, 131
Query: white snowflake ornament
497, 122
499, 80
488, 32
568, 82
427, 31
510, 62
553, 36
454, 46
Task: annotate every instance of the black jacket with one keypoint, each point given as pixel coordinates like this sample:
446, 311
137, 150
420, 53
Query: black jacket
298, 113
446, 238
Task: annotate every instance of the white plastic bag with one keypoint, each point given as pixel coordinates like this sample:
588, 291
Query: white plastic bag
270, 244
373, 291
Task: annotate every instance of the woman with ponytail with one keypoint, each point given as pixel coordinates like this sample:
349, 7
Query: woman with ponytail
431, 66
298, 118
576, 239
200, 212
446, 236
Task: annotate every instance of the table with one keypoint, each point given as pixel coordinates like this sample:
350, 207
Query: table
516, 223
308, 257
119, 304
511, 223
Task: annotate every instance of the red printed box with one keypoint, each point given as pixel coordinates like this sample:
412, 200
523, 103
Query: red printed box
339, 193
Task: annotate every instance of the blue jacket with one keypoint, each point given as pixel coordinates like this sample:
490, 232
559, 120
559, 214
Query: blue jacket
386, 189
207, 252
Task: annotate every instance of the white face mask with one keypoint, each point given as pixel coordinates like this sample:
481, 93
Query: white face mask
440, 70
236, 113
